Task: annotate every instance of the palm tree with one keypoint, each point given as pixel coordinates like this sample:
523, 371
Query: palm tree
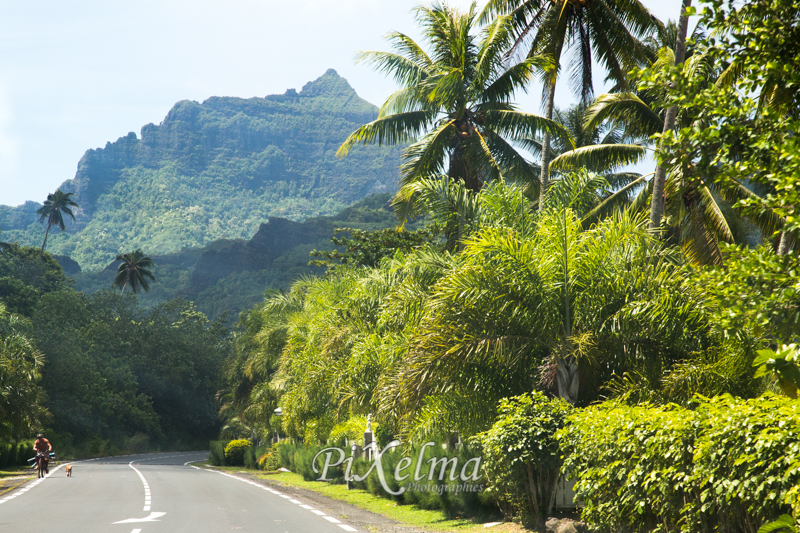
21, 365
699, 211
134, 271
53, 211
455, 101
606, 30
600, 147
657, 202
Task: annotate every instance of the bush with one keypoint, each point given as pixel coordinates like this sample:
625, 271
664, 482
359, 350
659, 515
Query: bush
726, 465
286, 451
216, 454
269, 461
235, 451
521, 455
252, 455
442, 495
16, 454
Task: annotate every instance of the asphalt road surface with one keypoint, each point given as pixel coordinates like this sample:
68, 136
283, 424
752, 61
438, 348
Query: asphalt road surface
155, 493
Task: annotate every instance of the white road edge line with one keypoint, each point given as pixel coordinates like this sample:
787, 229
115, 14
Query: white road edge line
32, 484
316, 512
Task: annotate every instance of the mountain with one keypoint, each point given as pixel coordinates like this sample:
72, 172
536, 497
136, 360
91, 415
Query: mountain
215, 170
230, 275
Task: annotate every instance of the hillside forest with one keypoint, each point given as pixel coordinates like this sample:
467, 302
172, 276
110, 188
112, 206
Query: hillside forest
535, 303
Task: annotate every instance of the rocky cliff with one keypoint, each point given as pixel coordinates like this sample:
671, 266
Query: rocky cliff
216, 170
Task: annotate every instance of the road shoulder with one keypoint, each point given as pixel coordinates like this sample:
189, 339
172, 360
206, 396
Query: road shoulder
364, 519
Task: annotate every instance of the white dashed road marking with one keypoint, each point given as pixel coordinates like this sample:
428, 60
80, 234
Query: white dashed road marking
147, 498
289, 498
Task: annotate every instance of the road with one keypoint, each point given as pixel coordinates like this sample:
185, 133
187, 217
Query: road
156, 493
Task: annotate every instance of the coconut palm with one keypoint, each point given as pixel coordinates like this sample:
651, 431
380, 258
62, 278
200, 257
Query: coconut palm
657, 202
455, 101
55, 207
605, 147
699, 211
134, 271
608, 31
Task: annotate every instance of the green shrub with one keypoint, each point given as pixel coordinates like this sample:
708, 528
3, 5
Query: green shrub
16, 454
216, 455
235, 451
269, 461
521, 455
252, 455
726, 465
286, 451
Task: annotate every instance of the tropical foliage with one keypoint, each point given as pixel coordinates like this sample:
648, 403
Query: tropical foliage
455, 101
98, 372
428, 340
52, 212
567, 292
134, 271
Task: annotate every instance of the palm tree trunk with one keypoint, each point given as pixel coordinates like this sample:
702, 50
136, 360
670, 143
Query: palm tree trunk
123, 287
544, 176
41, 254
783, 247
658, 200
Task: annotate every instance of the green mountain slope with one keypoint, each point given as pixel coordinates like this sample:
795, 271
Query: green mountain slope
230, 275
216, 170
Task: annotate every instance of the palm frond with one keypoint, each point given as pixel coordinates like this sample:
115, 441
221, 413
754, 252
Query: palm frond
600, 157
392, 129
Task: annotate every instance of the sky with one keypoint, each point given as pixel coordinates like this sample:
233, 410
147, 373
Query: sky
76, 75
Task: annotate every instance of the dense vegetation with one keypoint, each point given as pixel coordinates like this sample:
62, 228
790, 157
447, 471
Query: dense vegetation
215, 170
229, 276
560, 298
554, 316
97, 371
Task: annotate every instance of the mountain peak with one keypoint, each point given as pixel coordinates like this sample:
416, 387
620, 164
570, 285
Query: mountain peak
329, 84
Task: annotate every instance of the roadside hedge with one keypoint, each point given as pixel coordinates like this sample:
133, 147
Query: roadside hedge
725, 465
216, 455
16, 454
434, 495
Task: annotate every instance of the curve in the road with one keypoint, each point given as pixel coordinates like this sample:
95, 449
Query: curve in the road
187, 500
147, 499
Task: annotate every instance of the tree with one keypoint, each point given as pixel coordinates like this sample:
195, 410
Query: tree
752, 138
609, 30
53, 210
21, 364
657, 201
134, 271
699, 212
367, 248
455, 101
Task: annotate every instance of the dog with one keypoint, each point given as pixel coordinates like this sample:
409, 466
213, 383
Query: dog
68, 468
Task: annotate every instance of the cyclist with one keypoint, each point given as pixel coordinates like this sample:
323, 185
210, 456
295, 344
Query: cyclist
43, 448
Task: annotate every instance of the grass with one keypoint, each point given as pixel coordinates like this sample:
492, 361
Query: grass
15, 471
406, 514
8, 484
